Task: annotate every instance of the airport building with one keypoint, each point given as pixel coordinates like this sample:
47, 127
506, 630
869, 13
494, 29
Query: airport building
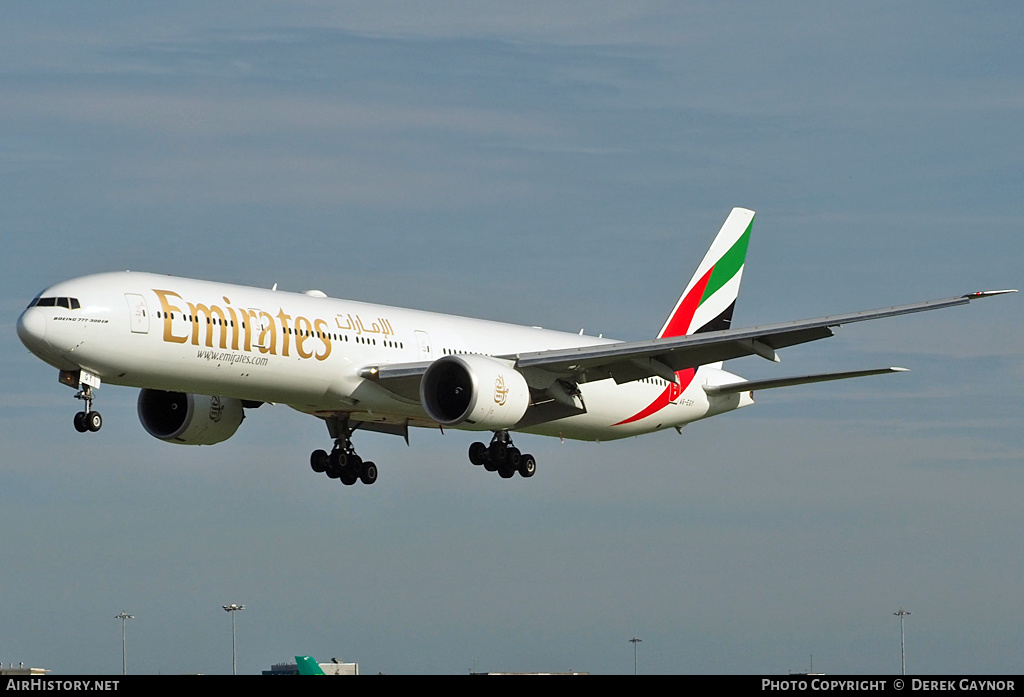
21, 670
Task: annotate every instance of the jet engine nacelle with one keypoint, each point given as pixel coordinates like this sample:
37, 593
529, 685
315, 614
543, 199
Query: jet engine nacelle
477, 392
189, 419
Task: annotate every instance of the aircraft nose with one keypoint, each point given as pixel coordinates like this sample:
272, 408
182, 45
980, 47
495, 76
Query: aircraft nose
32, 329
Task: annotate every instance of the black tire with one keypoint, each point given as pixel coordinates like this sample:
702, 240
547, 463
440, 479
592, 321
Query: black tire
478, 453
80, 422
513, 457
497, 452
348, 477
369, 473
527, 466
94, 421
338, 459
318, 461
506, 472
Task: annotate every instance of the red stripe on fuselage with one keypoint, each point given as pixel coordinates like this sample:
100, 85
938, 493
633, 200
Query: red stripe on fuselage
678, 325
672, 391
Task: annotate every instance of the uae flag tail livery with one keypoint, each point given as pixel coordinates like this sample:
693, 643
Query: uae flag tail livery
709, 299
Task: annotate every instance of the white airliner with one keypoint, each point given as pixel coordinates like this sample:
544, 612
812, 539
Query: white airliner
202, 352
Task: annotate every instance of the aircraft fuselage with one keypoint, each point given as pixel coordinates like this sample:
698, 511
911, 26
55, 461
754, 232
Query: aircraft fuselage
306, 350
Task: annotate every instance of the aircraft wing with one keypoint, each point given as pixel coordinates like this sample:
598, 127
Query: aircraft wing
634, 360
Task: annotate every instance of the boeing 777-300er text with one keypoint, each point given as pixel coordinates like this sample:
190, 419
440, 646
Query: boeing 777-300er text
203, 352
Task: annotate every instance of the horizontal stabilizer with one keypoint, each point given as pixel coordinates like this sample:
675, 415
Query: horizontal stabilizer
751, 385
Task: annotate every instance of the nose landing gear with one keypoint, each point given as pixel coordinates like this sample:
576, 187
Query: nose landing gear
87, 419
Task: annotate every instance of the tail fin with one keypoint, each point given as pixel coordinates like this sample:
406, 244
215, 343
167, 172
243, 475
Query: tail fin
708, 301
308, 666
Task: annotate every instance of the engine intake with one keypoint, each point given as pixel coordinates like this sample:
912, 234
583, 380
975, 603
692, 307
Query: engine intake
189, 419
478, 392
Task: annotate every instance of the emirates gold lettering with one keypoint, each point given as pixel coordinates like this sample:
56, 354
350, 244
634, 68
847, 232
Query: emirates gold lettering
247, 319
234, 325
302, 328
284, 331
168, 312
251, 329
269, 330
325, 338
209, 313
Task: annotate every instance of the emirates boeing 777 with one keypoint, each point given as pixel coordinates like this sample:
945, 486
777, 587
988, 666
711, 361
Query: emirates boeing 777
203, 352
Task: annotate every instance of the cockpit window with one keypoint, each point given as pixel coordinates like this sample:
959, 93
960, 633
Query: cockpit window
68, 303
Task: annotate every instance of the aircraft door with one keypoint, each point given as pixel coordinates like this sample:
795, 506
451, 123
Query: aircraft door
138, 313
675, 392
258, 324
423, 346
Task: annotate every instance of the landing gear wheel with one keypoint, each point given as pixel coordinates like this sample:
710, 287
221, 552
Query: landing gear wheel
343, 463
502, 457
318, 461
80, 424
338, 459
369, 473
93, 421
497, 452
478, 453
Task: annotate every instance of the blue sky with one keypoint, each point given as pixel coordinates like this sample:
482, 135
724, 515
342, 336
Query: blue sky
555, 164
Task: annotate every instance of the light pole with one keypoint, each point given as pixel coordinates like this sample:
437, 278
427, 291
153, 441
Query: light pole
231, 610
901, 613
634, 641
124, 656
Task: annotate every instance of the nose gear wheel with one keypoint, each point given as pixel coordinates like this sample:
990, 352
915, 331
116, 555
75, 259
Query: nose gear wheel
87, 420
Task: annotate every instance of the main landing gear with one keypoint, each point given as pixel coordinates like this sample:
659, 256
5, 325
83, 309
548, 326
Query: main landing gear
502, 457
87, 419
342, 462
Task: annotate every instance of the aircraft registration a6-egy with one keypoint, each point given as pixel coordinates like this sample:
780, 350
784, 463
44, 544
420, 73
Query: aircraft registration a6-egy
202, 352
